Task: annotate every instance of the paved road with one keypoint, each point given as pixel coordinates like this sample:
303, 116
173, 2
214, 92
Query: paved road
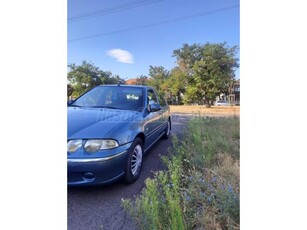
100, 207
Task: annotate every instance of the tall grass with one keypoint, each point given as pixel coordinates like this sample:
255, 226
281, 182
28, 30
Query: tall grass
200, 189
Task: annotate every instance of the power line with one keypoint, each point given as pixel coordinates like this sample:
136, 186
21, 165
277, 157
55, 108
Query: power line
111, 10
157, 23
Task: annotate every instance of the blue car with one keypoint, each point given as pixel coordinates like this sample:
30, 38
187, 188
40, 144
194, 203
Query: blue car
110, 128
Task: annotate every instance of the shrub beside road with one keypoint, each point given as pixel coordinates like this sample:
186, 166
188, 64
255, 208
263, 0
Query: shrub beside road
200, 189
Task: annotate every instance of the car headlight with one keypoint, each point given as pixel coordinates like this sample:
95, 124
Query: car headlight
92, 146
73, 145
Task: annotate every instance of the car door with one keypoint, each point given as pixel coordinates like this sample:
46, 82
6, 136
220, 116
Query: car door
152, 120
164, 111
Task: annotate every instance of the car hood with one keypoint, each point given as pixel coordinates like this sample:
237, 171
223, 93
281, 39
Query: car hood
94, 123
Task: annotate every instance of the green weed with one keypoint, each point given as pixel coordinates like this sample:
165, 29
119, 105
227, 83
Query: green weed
200, 189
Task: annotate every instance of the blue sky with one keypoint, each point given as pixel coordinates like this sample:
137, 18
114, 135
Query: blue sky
127, 41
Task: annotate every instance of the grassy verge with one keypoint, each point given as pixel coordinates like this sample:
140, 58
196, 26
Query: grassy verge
203, 110
200, 189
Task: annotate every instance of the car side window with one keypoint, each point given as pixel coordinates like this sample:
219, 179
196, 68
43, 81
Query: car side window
151, 97
162, 101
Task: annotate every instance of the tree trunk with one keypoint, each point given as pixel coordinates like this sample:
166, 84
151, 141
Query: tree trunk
208, 105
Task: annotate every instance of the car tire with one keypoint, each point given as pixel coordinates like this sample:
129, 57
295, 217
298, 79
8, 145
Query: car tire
135, 161
167, 131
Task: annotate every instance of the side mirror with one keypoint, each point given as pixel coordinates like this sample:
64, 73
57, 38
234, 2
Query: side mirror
70, 102
154, 107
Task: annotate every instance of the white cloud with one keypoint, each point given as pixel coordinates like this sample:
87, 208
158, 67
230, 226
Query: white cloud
121, 55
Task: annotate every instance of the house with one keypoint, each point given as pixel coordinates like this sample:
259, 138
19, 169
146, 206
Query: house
233, 95
234, 92
132, 81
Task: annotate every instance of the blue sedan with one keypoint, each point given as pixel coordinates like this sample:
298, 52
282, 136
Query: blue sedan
110, 128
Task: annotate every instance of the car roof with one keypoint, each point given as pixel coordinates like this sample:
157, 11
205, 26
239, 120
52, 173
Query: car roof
123, 85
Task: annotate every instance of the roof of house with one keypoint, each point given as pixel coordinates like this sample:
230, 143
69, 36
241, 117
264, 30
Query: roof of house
131, 81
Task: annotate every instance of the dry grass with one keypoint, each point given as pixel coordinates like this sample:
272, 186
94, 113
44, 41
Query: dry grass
228, 170
203, 110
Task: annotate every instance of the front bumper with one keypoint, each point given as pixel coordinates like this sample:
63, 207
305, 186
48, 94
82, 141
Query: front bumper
99, 170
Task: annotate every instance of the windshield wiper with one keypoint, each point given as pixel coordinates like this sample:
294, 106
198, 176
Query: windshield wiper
73, 105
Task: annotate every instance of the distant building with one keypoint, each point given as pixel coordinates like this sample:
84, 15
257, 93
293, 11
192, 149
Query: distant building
234, 94
132, 81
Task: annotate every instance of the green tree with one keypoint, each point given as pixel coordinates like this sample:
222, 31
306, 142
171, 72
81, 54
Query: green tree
114, 80
142, 80
209, 68
158, 76
86, 76
70, 90
174, 85
187, 56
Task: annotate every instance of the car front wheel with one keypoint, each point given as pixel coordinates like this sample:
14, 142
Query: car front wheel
135, 160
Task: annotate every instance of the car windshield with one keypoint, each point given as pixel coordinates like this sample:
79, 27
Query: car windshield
112, 97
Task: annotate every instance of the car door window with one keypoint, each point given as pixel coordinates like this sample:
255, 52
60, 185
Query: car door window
162, 101
151, 97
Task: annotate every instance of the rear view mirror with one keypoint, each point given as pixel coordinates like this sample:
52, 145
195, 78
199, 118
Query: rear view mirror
154, 107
